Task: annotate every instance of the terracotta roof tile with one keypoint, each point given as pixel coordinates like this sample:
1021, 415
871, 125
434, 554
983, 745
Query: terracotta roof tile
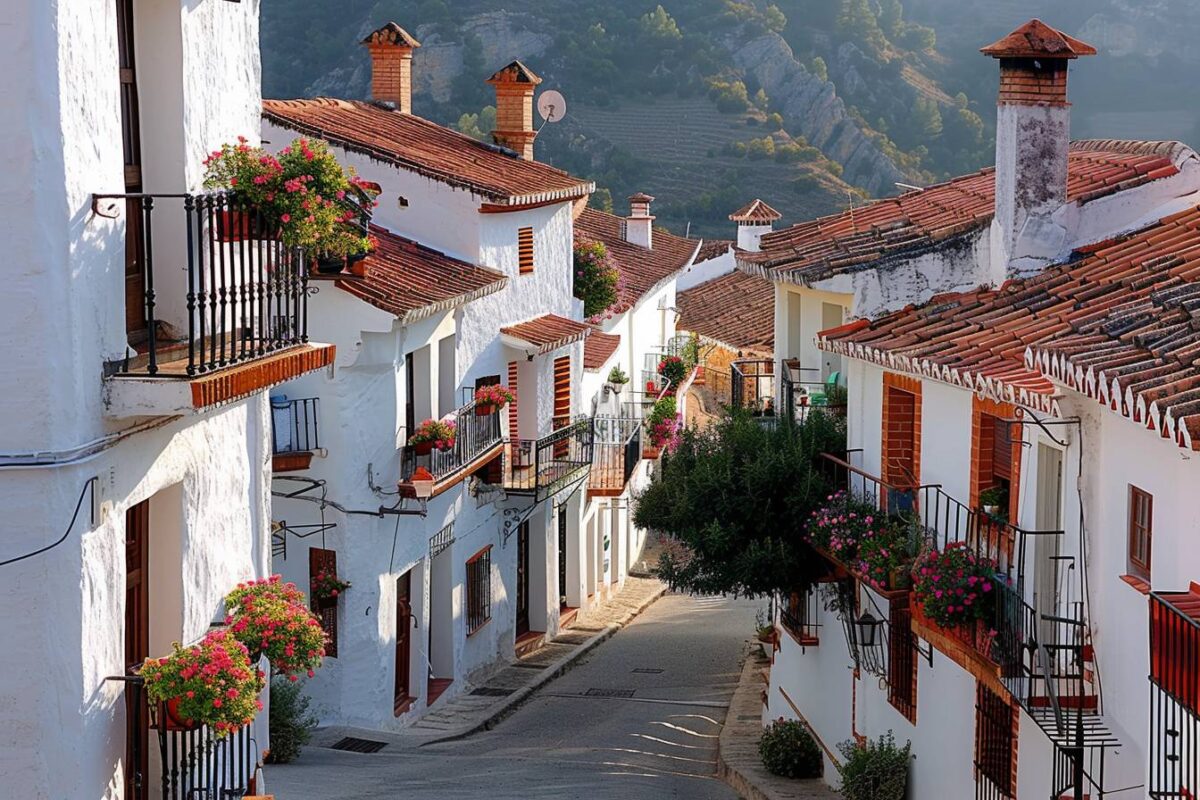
548, 332
917, 221
1036, 39
598, 349
756, 211
642, 269
1121, 324
428, 149
736, 309
713, 248
413, 281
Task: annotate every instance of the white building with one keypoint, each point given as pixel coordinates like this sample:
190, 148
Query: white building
998, 389
633, 336
471, 285
135, 456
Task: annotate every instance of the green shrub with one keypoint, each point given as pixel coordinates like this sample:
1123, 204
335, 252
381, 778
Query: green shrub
874, 770
788, 749
663, 409
597, 280
291, 722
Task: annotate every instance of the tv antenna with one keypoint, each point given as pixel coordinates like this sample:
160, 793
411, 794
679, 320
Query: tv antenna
552, 106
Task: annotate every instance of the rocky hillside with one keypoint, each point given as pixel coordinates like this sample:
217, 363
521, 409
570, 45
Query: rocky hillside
703, 103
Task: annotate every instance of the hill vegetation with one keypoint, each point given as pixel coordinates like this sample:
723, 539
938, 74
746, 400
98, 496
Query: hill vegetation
810, 104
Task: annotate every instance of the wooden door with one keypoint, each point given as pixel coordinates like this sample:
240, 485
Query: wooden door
562, 556
523, 578
137, 646
135, 261
403, 693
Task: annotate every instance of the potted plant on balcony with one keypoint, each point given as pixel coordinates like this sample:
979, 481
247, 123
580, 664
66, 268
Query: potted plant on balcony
327, 587
885, 558
490, 399
841, 524
302, 195
662, 426
673, 370
617, 379
431, 434
271, 618
597, 280
211, 683
993, 499
956, 588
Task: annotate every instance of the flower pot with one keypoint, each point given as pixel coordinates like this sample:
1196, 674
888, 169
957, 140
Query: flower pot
900, 578
358, 268
449, 446
328, 265
325, 602
483, 409
174, 721
423, 448
355, 258
766, 635
651, 387
237, 226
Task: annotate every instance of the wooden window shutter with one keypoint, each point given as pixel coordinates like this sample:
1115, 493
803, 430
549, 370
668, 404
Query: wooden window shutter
1002, 450
562, 391
525, 251
319, 561
513, 431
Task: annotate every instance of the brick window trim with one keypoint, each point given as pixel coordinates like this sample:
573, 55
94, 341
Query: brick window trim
912, 386
1139, 566
981, 408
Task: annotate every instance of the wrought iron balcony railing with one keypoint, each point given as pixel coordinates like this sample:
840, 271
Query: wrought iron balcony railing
752, 385
616, 451
476, 437
541, 467
208, 282
294, 426
1174, 695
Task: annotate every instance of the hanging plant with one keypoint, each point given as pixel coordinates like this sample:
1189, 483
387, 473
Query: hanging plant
597, 280
433, 433
673, 370
956, 587
271, 618
211, 683
492, 397
326, 586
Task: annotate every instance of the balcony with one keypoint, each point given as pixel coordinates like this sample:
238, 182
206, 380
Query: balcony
752, 386
294, 433
542, 467
616, 451
1174, 693
217, 308
478, 440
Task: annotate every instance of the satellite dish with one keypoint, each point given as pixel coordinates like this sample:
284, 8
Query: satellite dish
552, 106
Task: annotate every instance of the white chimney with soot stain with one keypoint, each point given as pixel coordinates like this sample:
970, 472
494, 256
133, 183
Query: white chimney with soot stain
639, 226
391, 48
1033, 139
754, 220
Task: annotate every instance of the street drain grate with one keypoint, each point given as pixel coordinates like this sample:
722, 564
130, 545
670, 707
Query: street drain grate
492, 691
609, 693
647, 671
353, 745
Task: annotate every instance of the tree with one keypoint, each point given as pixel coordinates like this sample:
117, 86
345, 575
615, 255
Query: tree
734, 501
478, 126
927, 118
820, 68
774, 19
658, 24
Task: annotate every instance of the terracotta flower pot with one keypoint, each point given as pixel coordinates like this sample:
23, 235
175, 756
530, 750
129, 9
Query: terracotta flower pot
237, 226
483, 409
423, 448
174, 721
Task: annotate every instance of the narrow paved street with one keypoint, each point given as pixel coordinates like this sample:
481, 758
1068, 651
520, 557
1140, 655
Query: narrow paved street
676, 667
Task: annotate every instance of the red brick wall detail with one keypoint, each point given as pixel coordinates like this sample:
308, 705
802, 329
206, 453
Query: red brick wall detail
900, 442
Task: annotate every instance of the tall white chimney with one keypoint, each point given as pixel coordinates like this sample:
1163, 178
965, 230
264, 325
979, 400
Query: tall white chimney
754, 220
1033, 140
639, 227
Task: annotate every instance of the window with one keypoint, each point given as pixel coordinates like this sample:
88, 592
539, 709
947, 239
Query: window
479, 590
319, 561
514, 432
902, 662
1141, 511
525, 251
995, 743
799, 616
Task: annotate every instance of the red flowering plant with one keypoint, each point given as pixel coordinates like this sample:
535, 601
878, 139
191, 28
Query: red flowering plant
211, 683
494, 395
327, 586
597, 280
956, 587
303, 192
673, 370
886, 554
272, 619
440, 433
842, 524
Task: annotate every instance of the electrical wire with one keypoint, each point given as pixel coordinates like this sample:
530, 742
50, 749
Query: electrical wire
89, 484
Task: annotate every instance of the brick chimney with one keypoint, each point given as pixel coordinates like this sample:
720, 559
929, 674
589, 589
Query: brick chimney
754, 219
1033, 138
514, 108
391, 48
639, 227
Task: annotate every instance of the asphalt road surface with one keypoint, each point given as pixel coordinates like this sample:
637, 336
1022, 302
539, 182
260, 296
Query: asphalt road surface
638, 717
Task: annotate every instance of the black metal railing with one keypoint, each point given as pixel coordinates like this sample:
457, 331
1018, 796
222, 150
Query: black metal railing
191, 763
864, 487
800, 389
294, 426
1174, 699
752, 385
543, 466
799, 613
474, 436
219, 288
617, 448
